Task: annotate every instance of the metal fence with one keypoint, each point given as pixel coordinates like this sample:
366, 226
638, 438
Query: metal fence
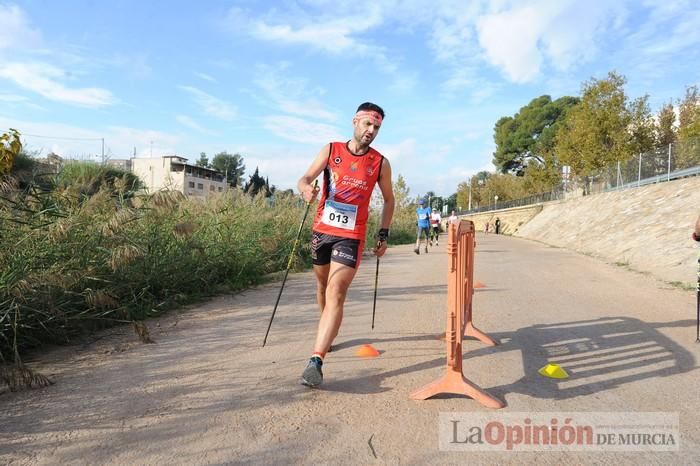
677, 160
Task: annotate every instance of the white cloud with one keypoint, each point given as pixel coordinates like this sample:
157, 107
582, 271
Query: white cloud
331, 34
403, 156
12, 98
679, 35
184, 120
15, 31
44, 79
300, 130
205, 77
211, 105
334, 34
510, 41
521, 38
292, 95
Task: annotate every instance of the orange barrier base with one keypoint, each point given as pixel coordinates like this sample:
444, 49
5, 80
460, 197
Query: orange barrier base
471, 331
454, 382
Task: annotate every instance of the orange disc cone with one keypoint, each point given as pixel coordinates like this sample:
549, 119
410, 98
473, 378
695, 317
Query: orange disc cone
479, 284
367, 351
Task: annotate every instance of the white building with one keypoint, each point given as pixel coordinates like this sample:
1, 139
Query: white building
174, 173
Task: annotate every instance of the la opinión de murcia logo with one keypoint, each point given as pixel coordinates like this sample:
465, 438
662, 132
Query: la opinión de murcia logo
582, 431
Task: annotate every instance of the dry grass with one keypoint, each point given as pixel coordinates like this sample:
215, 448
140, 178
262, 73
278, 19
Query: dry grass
76, 263
18, 377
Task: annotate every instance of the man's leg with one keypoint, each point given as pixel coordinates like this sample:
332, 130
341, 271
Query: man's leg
321, 272
339, 279
418, 233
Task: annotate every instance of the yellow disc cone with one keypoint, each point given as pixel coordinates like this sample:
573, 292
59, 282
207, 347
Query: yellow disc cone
554, 371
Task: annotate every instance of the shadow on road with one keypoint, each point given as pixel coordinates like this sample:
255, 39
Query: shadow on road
599, 355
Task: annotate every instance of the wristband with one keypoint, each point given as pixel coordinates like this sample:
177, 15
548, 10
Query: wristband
383, 234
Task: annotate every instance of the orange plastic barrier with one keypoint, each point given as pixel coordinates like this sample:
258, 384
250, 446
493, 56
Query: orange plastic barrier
460, 291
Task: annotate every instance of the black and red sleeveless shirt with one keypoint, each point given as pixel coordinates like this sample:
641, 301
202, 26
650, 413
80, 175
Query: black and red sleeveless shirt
348, 182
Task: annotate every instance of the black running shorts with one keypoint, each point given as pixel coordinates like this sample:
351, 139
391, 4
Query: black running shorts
326, 248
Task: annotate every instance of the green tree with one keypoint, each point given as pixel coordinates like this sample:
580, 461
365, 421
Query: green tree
462, 196
269, 188
10, 147
203, 160
401, 192
688, 153
506, 186
451, 202
642, 129
231, 165
603, 128
255, 184
478, 183
528, 136
689, 114
539, 178
665, 126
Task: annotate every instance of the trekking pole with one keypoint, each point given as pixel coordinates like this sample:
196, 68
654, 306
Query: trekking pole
376, 280
289, 264
697, 325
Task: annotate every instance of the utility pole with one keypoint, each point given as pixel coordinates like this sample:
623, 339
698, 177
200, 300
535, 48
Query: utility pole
103, 151
470, 195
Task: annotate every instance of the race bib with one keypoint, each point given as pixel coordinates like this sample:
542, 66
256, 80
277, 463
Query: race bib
339, 215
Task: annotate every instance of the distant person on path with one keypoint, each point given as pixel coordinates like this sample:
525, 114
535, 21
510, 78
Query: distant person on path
350, 171
498, 225
422, 225
453, 218
435, 219
486, 227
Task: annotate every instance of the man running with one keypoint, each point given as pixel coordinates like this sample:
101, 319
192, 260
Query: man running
435, 219
350, 171
423, 225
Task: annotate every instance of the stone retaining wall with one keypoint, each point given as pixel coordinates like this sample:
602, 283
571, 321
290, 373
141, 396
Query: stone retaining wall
646, 229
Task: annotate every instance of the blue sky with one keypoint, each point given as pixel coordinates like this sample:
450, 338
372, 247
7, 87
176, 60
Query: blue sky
275, 81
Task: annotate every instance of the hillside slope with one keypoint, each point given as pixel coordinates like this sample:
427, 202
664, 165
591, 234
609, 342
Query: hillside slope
647, 228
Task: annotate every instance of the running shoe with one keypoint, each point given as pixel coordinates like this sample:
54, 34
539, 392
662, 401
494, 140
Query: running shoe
313, 376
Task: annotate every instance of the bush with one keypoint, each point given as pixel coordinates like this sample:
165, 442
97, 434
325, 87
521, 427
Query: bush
70, 264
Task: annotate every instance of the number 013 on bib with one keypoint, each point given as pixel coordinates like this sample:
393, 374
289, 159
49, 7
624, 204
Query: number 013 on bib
339, 215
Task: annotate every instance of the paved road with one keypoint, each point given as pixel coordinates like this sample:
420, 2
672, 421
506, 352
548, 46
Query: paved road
207, 393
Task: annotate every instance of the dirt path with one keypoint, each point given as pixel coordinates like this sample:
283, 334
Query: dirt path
207, 393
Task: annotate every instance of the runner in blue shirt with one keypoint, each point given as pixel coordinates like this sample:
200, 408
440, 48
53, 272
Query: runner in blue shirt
423, 225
